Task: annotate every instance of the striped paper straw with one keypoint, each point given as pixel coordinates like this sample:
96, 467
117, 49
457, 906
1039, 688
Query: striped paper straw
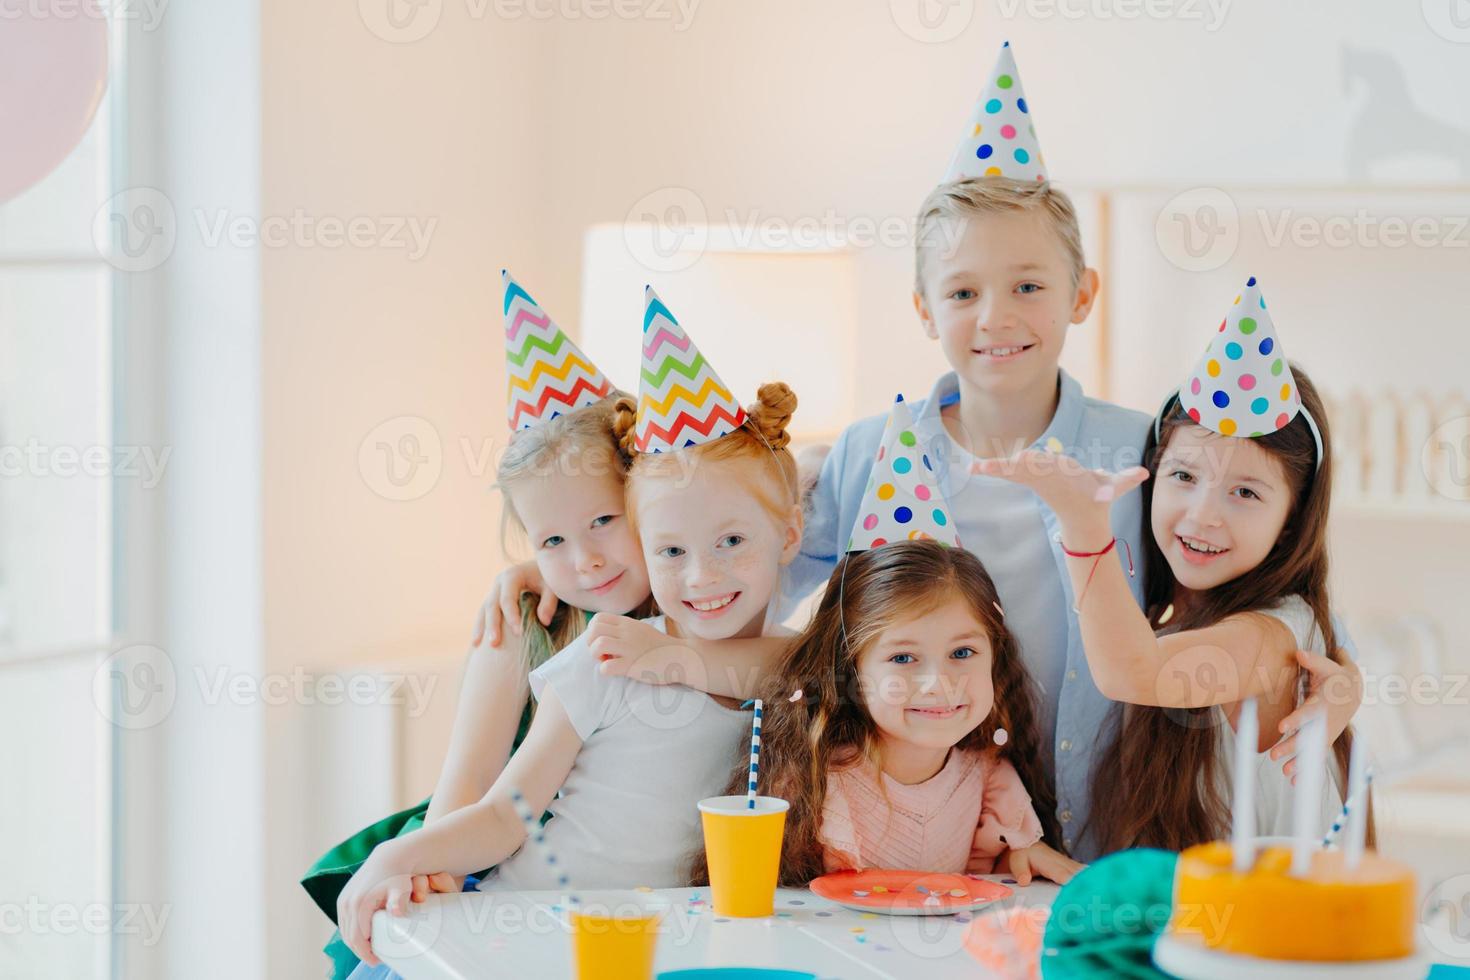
535, 832
755, 754
1347, 807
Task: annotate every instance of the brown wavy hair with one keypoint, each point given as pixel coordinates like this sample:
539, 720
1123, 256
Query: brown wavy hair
1142, 793
830, 724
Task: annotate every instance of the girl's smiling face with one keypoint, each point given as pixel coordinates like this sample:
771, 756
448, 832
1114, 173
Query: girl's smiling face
1219, 505
714, 552
926, 680
581, 538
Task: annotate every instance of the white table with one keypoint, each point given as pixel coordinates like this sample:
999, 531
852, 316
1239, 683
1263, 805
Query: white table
518, 934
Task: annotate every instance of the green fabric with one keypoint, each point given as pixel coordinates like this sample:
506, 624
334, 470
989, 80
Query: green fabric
1105, 921
331, 872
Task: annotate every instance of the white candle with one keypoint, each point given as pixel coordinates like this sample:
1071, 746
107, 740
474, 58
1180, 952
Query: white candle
1357, 797
1243, 800
1311, 758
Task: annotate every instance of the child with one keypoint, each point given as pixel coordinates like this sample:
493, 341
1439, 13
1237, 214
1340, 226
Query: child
714, 495
562, 477
1241, 470
999, 298
916, 712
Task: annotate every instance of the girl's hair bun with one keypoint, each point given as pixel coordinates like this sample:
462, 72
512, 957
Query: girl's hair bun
625, 426
775, 403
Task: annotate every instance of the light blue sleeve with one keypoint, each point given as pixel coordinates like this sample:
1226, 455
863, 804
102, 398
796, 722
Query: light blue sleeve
821, 539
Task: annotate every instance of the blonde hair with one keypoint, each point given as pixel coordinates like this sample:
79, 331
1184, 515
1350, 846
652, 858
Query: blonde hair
584, 435
762, 440
977, 196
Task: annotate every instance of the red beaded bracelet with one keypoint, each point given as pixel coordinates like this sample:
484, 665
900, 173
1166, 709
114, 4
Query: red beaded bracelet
1097, 556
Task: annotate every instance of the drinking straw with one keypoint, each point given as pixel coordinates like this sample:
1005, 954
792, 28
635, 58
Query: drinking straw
755, 754
537, 834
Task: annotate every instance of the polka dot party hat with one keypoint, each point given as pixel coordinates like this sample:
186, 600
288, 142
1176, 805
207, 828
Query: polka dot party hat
681, 401
902, 501
548, 374
1242, 385
1001, 138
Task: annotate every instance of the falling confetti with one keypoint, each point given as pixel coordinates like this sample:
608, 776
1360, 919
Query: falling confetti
795, 696
1168, 614
1001, 736
997, 608
1054, 445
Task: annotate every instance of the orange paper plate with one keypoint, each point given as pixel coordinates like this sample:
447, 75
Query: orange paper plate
908, 892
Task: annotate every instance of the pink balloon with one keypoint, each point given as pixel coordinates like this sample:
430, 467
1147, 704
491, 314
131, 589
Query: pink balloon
53, 71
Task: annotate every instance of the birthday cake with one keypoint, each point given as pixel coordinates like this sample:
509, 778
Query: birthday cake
1332, 914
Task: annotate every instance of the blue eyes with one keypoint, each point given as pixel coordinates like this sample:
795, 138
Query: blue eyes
963, 653
604, 520
962, 294
553, 541
731, 540
673, 551
1026, 288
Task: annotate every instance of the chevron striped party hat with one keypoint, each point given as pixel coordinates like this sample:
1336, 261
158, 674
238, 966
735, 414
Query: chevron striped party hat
902, 501
1000, 140
548, 374
681, 401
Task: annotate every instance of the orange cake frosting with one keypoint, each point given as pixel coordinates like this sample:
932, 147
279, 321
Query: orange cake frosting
1332, 914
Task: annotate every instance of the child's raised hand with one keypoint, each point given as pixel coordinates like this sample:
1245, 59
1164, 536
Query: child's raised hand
502, 606
627, 647
378, 884
1070, 489
1041, 860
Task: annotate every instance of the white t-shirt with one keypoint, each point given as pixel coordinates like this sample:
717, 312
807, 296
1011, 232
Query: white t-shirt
1274, 792
626, 815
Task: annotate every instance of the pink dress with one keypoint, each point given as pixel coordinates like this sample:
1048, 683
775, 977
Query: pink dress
958, 821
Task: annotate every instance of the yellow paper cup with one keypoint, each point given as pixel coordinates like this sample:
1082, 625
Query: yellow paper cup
744, 851
615, 934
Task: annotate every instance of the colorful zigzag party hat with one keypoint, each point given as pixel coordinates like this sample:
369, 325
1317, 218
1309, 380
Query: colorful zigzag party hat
1001, 138
548, 374
902, 501
1242, 385
681, 401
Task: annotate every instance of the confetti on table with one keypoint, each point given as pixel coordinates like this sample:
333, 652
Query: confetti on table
861, 939
857, 929
921, 889
880, 948
860, 893
958, 892
784, 915
1054, 445
824, 915
879, 889
868, 915
643, 888
796, 901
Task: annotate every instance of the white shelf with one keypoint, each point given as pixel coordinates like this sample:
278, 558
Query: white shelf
1447, 512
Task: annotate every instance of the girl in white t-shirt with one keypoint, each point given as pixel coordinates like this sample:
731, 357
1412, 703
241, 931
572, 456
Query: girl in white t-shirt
717, 519
1239, 481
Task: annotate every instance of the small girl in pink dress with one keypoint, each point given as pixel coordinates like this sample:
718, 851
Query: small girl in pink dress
902, 727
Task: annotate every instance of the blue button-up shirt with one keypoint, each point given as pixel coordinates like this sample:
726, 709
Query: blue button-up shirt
1038, 610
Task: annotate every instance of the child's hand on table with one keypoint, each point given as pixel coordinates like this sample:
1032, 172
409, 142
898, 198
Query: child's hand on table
502, 606
383, 882
1039, 860
627, 647
443, 881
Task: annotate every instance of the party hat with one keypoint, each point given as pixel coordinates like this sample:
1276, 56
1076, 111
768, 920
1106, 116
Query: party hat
549, 375
681, 401
902, 501
1242, 385
1001, 138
